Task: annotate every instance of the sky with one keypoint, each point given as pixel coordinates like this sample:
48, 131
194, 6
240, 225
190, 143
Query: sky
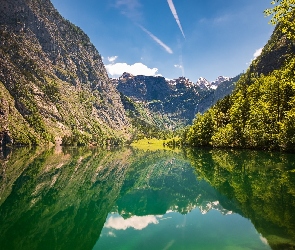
173, 38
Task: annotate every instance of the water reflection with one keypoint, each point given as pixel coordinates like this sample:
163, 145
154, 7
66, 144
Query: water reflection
136, 222
83, 198
261, 183
58, 201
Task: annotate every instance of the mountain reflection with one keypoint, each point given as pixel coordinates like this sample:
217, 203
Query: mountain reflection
58, 201
63, 199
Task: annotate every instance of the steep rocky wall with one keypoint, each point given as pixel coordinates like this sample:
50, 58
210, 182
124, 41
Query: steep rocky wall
54, 73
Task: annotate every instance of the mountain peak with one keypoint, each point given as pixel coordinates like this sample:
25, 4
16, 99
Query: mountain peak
204, 84
126, 75
218, 81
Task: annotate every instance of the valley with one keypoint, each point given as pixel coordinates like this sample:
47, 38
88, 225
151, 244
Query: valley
55, 89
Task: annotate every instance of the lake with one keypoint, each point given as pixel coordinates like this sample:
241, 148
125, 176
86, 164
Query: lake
81, 198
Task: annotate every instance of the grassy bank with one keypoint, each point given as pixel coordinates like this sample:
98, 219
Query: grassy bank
156, 144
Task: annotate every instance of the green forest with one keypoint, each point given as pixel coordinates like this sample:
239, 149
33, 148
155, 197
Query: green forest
260, 113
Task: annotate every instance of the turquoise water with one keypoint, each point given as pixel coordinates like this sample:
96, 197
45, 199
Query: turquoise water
131, 199
176, 231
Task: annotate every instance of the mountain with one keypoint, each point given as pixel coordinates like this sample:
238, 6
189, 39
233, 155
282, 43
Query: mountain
75, 200
52, 80
72, 191
218, 81
260, 112
179, 100
217, 90
203, 83
54, 86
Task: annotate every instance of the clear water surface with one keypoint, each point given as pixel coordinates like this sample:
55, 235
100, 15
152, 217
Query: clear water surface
130, 199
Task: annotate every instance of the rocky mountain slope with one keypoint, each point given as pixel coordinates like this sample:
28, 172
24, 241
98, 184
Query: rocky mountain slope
179, 99
52, 79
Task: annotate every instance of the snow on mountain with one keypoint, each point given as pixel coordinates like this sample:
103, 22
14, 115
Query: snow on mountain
206, 207
219, 80
203, 83
181, 81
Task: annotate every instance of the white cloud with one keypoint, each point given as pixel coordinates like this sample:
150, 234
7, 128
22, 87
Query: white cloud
257, 53
178, 66
118, 69
174, 13
136, 222
216, 20
112, 59
157, 40
221, 19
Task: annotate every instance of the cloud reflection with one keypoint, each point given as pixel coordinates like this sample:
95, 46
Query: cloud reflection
136, 222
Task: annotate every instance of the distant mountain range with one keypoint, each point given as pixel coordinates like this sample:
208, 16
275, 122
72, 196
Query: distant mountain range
179, 99
203, 83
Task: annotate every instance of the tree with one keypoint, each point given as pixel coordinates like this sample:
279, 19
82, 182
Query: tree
283, 13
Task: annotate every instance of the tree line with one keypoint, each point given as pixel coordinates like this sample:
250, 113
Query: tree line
260, 113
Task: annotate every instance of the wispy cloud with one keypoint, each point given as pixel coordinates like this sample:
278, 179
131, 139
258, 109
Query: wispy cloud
180, 65
219, 20
180, 57
173, 10
157, 40
130, 9
112, 59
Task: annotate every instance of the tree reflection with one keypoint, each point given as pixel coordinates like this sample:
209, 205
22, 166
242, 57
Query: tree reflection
61, 199
262, 184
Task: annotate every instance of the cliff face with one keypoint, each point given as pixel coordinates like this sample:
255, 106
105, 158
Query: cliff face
52, 76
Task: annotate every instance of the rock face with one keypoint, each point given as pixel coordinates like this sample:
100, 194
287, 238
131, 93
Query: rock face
144, 88
179, 99
54, 77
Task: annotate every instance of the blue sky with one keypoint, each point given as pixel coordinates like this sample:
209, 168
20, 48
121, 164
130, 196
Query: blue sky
206, 38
